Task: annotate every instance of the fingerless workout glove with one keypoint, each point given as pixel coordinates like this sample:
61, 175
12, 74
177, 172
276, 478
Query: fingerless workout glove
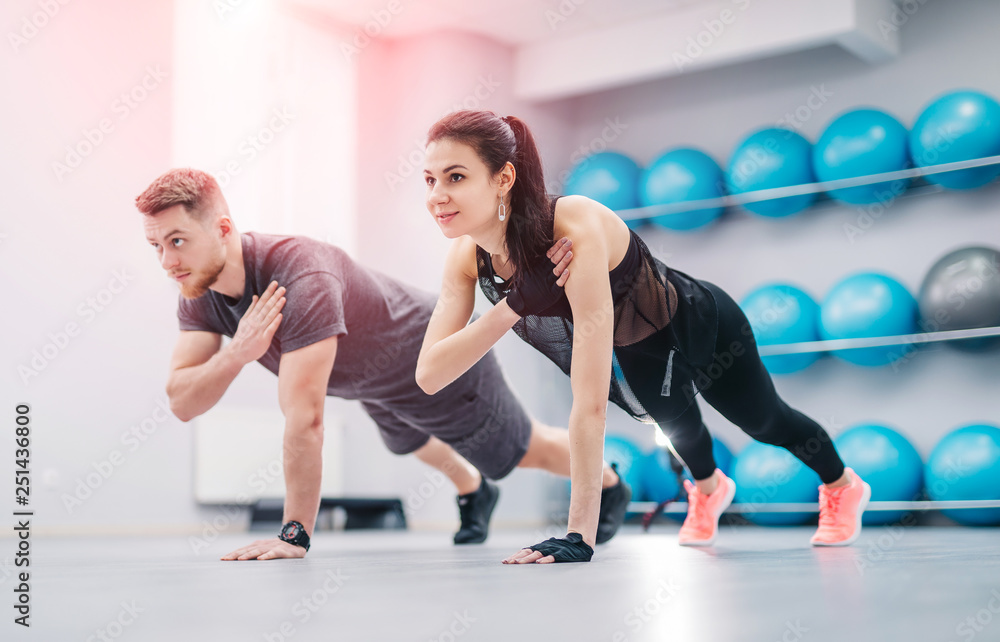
571, 548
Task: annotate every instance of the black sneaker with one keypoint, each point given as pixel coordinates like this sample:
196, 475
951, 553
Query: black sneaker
614, 502
475, 510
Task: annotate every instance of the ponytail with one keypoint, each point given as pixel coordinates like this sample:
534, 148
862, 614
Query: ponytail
529, 233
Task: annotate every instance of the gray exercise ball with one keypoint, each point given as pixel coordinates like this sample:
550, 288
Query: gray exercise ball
962, 291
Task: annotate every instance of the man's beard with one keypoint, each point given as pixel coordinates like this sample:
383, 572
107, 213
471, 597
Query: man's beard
198, 283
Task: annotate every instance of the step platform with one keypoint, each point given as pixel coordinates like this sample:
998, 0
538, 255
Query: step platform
361, 513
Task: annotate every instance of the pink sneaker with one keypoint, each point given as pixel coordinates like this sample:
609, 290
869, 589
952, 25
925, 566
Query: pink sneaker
702, 522
840, 511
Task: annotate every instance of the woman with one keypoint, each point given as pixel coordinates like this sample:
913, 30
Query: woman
658, 335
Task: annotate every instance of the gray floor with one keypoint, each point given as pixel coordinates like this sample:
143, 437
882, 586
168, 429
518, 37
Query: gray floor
757, 583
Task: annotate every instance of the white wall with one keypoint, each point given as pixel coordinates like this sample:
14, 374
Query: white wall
216, 80
266, 102
67, 235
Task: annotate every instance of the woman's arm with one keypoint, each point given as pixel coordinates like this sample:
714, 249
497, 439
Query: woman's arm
589, 294
451, 344
589, 225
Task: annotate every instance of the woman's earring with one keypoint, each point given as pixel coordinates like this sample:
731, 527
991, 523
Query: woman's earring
502, 211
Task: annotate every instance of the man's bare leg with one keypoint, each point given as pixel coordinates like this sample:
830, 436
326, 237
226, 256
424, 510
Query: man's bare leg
439, 455
549, 450
476, 497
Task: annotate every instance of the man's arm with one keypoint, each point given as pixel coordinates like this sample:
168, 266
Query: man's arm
303, 376
200, 373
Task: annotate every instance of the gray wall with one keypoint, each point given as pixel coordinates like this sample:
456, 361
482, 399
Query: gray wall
945, 46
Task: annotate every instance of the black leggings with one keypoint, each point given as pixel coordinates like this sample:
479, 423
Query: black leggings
740, 388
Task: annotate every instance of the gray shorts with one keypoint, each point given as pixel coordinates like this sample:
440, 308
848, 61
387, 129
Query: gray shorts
477, 415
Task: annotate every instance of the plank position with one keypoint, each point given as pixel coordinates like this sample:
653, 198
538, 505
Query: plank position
625, 327
326, 325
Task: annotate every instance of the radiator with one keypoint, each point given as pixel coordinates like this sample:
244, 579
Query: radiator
238, 459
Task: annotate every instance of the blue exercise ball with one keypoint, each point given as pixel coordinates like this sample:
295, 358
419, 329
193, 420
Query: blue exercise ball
958, 126
609, 178
772, 158
868, 305
888, 462
627, 456
659, 483
782, 313
966, 465
858, 143
680, 175
766, 474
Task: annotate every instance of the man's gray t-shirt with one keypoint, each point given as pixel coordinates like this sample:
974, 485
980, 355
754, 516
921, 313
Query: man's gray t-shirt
380, 325
379, 321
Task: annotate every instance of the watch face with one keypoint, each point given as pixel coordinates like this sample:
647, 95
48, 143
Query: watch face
290, 530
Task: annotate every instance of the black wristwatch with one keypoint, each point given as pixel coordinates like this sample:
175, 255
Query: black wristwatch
295, 533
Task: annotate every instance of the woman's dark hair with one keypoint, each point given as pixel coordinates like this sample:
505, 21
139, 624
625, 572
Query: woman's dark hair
499, 141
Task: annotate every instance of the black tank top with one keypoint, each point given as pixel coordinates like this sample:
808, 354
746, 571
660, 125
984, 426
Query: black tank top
661, 315
620, 278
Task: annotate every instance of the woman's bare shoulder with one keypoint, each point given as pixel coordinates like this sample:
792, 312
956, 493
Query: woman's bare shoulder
581, 218
462, 257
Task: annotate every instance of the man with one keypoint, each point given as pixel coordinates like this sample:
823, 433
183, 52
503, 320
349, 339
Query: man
320, 321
